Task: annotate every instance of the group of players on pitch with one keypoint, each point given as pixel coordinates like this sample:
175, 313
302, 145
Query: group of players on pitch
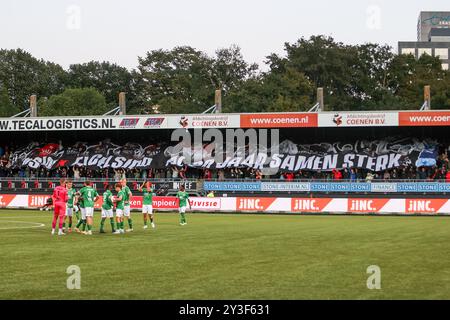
67, 201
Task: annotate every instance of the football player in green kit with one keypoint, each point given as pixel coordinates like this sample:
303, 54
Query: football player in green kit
80, 202
147, 203
119, 200
183, 200
126, 207
107, 209
70, 205
90, 196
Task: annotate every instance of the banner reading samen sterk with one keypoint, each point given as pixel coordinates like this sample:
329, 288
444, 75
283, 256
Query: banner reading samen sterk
377, 155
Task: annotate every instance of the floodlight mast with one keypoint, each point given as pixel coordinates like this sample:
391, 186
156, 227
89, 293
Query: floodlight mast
31, 111
319, 105
427, 98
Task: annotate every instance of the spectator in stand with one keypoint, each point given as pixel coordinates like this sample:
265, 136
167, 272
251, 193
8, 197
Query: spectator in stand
182, 173
258, 175
422, 174
346, 174
76, 173
447, 177
386, 175
369, 177
289, 176
207, 174
353, 176
394, 174
337, 175
175, 173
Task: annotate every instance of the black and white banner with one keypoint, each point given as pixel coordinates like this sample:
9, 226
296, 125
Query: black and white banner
376, 156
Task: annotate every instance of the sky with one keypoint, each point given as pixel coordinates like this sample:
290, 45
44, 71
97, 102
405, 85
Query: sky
78, 31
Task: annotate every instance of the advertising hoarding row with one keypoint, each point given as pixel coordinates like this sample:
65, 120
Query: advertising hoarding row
269, 204
373, 187
257, 120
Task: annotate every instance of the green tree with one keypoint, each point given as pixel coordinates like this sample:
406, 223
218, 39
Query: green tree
272, 92
25, 75
326, 63
177, 80
73, 102
229, 70
410, 75
7, 109
108, 78
183, 80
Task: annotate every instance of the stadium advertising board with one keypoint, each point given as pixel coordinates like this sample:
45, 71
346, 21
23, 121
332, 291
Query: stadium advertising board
246, 120
204, 121
424, 118
286, 120
373, 187
231, 186
83, 123
285, 186
120, 122
269, 204
358, 119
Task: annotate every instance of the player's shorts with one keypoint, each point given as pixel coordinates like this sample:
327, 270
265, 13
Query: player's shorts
75, 208
147, 208
60, 208
83, 213
182, 209
127, 211
69, 212
119, 213
107, 213
89, 211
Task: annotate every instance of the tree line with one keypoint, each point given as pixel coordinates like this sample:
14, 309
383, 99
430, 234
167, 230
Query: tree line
183, 80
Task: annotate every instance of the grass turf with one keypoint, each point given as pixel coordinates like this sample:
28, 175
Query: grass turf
219, 256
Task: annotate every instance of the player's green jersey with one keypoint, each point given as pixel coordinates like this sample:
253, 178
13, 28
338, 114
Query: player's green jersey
107, 201
80, 199
148, 196
88, 194
120, 204
183, 196
126, 191
71, 195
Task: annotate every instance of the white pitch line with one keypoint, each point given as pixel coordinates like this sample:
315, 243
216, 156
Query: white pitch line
36, 225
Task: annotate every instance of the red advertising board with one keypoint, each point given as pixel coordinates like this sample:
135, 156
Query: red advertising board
424, 118
279, 120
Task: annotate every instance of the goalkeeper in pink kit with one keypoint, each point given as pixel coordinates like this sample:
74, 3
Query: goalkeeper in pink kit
60, 198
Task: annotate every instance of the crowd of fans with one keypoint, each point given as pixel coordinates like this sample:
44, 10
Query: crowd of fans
441, 171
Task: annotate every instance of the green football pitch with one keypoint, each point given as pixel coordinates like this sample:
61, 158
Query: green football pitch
220, 256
